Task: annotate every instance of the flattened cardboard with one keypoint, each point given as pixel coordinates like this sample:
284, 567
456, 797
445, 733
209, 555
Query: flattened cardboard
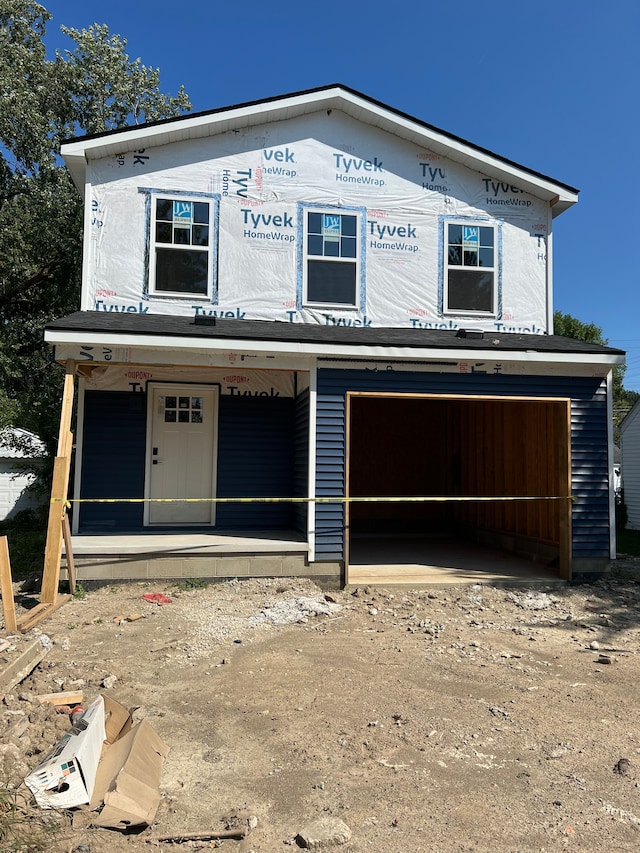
117, 720
104, 759
65, 777
128, 779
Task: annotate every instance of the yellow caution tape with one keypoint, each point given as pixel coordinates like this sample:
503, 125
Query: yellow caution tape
336, 499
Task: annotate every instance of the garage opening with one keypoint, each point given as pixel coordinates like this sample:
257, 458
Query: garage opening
513, 453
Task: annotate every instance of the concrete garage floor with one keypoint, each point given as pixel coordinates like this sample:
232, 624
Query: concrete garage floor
438, 560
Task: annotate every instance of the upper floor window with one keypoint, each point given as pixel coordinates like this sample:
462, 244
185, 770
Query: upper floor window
470, 274
332, 264
181, 247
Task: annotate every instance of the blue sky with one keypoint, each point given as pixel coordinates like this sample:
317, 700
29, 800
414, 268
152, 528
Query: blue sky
552, 85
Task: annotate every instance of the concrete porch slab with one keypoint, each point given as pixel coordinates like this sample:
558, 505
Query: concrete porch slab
174, 556
194, 544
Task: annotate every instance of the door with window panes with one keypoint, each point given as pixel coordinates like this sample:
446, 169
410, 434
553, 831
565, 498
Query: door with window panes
181, 454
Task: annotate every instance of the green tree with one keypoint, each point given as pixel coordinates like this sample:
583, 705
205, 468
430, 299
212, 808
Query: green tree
570, 327
91, 88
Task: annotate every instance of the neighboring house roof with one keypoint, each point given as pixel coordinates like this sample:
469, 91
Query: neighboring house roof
10, 450
164, 331
78, 151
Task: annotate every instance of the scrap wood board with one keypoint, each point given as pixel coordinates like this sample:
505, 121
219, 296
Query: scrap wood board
22, 666
39, 612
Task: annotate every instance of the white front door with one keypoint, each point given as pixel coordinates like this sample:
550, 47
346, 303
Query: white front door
181, 454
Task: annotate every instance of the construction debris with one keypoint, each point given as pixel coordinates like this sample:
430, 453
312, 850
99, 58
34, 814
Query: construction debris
22, 666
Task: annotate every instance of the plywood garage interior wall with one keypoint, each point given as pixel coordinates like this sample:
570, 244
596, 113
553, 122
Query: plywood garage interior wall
403, 445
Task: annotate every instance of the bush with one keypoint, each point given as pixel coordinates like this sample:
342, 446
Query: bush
628, 542
27, 534
621, 511
24, 827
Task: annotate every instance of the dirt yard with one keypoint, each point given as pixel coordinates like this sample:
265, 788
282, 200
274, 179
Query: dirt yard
468, 718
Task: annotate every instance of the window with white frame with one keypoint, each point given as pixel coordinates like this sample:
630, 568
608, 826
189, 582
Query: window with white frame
331, 258
470, 275
181, 247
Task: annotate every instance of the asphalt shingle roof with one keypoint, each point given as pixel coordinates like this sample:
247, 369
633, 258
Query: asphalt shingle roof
308, 333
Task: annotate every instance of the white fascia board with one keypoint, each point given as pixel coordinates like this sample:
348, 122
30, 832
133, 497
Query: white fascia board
77, 154
333, 351
193, 127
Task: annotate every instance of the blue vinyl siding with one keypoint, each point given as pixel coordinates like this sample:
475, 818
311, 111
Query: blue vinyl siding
113, 458
255, 459
330, 474
590, 472
588, 441
301, 460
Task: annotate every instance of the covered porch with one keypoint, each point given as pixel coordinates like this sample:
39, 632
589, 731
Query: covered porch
194, 555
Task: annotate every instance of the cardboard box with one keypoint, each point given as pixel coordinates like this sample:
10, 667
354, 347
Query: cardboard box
65, 777
128, 779
106, 762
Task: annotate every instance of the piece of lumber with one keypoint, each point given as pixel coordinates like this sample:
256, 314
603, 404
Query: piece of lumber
64, 447
22, 666
59, 489
53, 547
68, 551
40, 612
64, 697
6, 587
238, 834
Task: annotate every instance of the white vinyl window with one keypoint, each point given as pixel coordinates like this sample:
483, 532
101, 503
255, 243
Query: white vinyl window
181, 247
331, 258
470, 274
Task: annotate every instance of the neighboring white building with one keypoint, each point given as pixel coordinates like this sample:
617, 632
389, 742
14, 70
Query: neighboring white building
630, 447
14, 479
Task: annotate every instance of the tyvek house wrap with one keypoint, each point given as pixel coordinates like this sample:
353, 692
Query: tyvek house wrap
233, 381
262, 180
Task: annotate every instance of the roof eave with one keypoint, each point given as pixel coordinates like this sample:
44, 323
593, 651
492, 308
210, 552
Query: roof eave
133, 340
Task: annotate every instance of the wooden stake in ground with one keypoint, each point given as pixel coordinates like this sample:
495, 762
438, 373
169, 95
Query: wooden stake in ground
71, 566
8, 604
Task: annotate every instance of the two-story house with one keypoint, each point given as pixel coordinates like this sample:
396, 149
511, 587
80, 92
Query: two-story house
321, 300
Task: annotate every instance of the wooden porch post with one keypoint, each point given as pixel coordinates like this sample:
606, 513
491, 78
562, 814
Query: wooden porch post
563, 426
59, 489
